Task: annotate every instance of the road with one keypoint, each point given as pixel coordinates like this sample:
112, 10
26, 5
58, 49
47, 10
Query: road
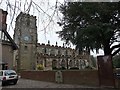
24, 84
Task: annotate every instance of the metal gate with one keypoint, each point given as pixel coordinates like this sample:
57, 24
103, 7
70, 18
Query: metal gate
105, 71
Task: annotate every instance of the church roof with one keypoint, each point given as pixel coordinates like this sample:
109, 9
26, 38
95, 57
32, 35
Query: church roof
14, 46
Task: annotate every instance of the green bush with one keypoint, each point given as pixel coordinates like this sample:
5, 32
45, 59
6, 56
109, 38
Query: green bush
39, 67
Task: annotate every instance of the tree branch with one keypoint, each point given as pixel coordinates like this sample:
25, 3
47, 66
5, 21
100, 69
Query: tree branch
115, 46
116, 52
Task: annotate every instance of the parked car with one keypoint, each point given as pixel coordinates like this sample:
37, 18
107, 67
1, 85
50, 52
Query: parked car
118, 75
8, 77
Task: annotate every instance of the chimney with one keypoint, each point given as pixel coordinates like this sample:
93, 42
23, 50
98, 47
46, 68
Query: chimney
3, 16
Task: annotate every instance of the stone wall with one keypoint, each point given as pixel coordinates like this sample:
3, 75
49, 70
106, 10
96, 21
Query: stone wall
7, 54
84, 77
39, 75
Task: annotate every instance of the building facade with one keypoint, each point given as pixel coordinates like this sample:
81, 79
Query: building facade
35, 56
59, 57
7, 45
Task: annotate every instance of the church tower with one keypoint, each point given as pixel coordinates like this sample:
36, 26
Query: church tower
25, 36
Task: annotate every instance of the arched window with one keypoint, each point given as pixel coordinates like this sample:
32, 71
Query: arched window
54, 64
63, 63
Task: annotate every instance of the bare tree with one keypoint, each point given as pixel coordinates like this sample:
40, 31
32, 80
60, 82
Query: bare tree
47, 12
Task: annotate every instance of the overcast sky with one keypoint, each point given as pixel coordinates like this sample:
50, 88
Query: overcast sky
46, 26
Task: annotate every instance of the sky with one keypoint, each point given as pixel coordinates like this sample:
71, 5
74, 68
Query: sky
46, 22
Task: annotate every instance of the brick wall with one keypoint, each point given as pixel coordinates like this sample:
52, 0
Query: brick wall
39, 75
85, 77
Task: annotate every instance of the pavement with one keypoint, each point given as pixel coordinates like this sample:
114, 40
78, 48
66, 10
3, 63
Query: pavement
24, 84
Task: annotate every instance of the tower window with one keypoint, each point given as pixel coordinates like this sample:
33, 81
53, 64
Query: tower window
26, 48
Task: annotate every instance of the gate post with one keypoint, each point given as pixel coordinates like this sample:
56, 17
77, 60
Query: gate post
105, 71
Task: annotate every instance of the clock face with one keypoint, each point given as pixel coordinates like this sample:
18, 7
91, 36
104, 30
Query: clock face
26, 38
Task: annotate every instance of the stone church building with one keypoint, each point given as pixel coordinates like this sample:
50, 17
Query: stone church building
31, 54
